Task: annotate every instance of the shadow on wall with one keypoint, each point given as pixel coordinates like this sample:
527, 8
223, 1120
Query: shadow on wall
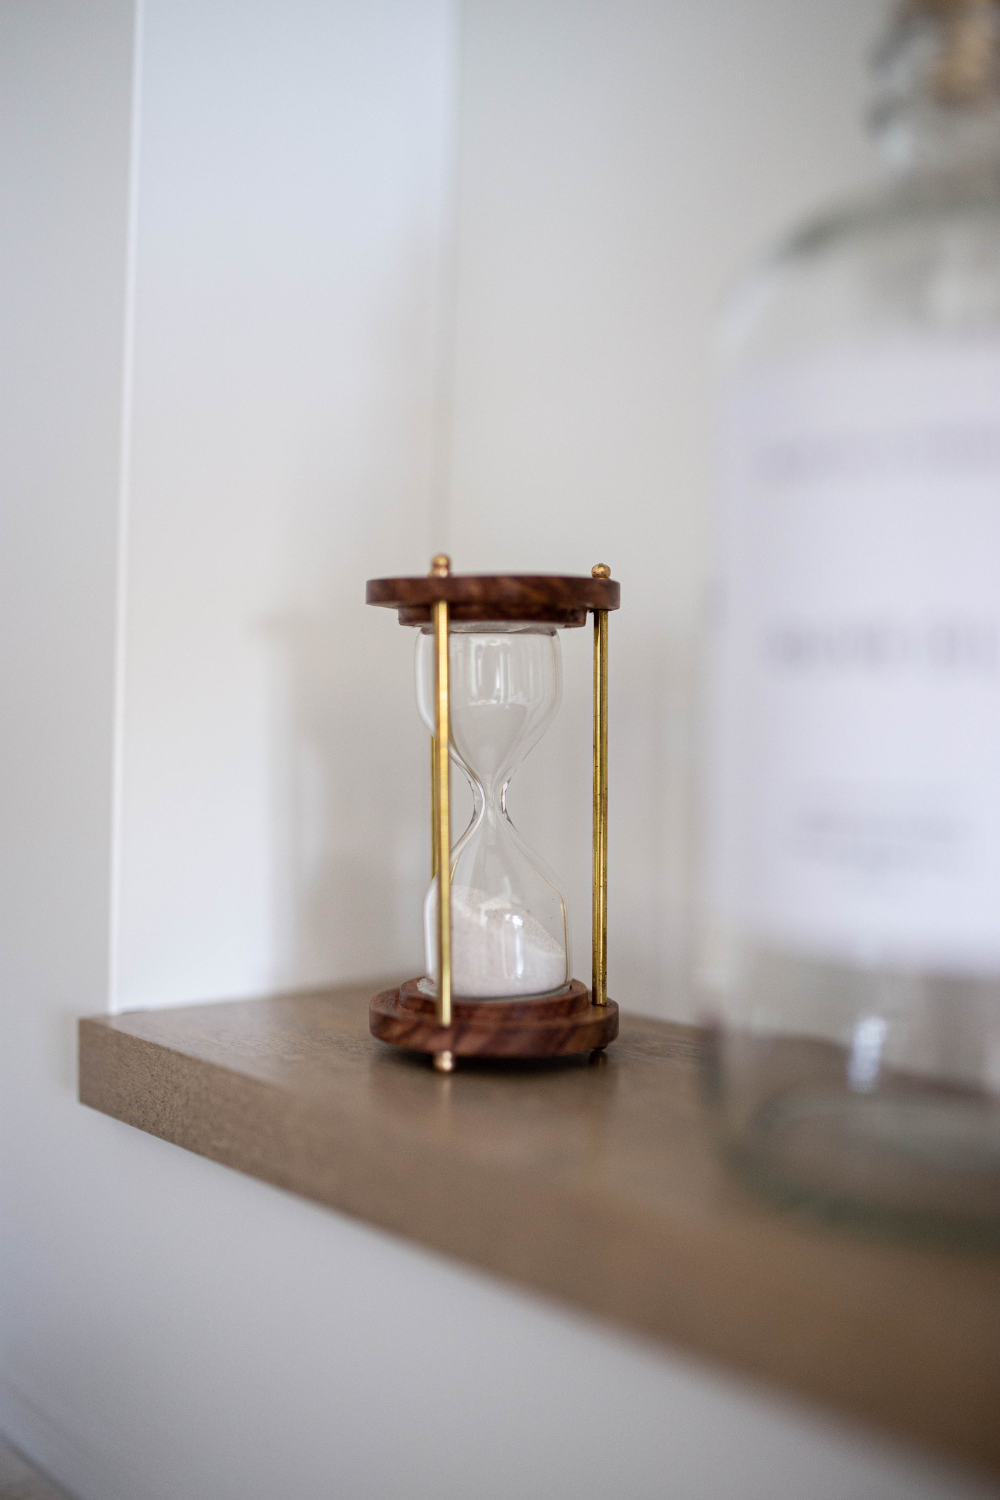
652, 835
349, 835
650, 809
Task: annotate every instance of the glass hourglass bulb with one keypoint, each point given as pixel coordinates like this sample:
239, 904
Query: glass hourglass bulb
509, 925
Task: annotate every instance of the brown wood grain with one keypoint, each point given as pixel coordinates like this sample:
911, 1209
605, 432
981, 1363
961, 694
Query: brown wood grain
599, 1186
541, 597
555, 1027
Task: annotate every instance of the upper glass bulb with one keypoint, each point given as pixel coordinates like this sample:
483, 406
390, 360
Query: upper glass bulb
508, 919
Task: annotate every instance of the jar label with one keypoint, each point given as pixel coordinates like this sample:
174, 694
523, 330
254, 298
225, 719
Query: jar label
856, 742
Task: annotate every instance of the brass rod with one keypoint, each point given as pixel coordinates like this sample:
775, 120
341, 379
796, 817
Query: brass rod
600, 891
442, 825
434, 807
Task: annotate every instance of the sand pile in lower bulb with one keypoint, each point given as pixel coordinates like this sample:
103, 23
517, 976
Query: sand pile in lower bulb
498, 949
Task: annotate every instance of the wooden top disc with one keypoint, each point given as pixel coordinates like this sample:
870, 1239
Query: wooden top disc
530, 597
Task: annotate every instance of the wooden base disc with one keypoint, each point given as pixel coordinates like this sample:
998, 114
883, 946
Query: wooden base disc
551, 1026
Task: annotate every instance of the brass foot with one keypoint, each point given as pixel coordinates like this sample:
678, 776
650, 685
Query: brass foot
444, 1062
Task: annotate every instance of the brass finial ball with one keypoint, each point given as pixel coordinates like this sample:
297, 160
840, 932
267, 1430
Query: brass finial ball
440, 565
600, 570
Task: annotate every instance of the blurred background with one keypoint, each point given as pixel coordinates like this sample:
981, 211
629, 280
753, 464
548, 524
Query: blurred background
295, 294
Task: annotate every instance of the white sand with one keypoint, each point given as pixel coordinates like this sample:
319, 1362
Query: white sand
498, 949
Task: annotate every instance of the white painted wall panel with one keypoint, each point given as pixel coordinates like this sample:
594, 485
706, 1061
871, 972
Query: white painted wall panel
291, 212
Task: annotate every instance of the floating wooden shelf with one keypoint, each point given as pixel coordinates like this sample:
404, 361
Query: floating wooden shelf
597, 1185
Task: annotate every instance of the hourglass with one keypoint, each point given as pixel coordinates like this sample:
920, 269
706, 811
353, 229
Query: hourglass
489, 680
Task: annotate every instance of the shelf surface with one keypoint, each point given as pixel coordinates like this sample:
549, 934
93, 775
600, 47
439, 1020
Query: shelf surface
594, 1184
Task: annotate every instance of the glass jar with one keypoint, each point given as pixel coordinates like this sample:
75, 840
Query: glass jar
851, 954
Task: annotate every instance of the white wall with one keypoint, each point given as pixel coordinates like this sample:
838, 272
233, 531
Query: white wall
168, 1329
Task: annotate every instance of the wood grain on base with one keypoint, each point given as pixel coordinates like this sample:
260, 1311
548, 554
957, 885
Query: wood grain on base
539, 597
556, 1026
599, 1186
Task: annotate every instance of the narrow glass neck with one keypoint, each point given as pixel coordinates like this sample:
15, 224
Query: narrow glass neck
489, 794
